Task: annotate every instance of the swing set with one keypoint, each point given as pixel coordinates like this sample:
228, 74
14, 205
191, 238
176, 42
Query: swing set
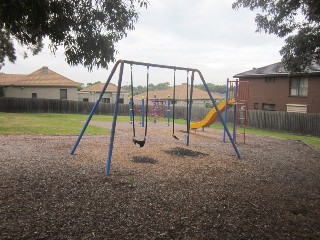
141, 142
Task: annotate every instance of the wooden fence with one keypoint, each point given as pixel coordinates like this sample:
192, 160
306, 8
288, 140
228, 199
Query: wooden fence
281, 121
286, 121
32, 105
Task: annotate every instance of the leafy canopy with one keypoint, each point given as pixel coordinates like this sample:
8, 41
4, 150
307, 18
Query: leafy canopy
86, 29
298, 20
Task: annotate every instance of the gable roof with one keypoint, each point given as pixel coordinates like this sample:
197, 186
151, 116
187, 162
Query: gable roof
43, 77
180, 93
277, 69
99, 86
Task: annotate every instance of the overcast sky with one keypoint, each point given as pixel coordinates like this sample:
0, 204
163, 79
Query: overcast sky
205, 34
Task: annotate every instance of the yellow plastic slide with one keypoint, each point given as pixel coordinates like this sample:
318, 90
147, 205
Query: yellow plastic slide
211, 117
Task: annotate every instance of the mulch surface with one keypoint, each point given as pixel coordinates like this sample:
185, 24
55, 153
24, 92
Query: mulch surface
164, 190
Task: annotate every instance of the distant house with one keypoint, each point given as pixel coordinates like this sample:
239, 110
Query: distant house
272, 88
199, 97
43, 83
92, 93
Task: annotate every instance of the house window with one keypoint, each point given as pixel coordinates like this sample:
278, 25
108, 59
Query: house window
256, 106
268, 107
270, 79
105, 100
85, 99
34, 95
121, 100
63, 94
299, 86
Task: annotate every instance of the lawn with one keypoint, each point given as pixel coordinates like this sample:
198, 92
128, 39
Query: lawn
50, 124
71, 124
310, 140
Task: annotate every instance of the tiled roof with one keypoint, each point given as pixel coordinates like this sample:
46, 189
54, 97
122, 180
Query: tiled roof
181, 93
99, 86
42, 77
10, 79
276, 69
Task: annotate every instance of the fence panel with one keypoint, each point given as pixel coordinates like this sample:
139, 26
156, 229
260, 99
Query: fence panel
31, 105
282, 121
300, 123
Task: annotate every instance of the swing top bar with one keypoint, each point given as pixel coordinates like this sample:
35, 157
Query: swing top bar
157, 66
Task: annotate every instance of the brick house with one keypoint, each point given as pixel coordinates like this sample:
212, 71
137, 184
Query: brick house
43, 83
92, 93
273, 88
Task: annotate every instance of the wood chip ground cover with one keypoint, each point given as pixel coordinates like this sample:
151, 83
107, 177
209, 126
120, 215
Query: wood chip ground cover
154, 192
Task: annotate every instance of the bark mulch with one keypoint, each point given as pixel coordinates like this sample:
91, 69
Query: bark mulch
164, 190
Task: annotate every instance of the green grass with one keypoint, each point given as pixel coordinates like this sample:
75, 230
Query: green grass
50, 124
71, 124
310, 140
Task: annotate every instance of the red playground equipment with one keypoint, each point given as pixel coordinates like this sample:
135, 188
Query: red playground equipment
237, 95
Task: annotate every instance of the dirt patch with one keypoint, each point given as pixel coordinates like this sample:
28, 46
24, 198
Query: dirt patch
272, 192
144, 159
183, 152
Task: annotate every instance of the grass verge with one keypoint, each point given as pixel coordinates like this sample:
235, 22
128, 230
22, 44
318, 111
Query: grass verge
50, 124
71, 124
310, 140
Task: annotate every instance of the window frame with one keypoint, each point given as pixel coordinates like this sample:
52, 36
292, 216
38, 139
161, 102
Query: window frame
269, 79
271, 107
299, 89
62, 90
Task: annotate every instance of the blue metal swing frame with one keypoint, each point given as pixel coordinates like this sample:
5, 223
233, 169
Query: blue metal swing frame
121, 63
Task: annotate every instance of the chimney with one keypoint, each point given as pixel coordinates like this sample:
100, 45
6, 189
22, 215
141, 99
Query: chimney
45, 70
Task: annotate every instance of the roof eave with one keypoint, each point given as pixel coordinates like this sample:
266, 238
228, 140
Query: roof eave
275, 75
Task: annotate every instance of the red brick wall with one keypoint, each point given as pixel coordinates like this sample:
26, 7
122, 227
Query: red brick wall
278, 93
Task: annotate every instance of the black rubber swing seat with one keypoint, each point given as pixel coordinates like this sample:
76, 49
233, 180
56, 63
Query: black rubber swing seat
139, 143
174, 136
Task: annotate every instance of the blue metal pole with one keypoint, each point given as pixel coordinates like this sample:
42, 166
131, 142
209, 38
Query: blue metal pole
226, 110
93, 109
219, 114
235, 113
131, 109
155, 109
190, 108
142, 112
114, 122
168, 110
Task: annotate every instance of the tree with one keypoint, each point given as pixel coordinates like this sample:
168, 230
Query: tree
91, 84
86, 29
212, 88
298, 20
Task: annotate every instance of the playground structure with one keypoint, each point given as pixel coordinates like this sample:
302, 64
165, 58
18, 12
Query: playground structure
212, 116
138, 107
121, 64
237, 94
